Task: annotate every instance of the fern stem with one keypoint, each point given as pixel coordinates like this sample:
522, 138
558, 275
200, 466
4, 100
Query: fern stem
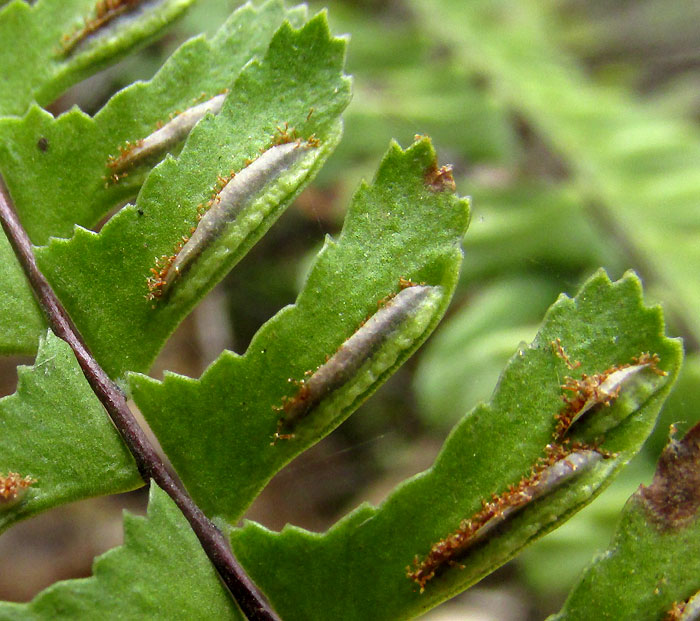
250, 599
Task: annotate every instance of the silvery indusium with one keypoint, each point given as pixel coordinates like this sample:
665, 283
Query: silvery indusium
346, 363
164, 138
598, 389
560, 467
105, 12
563, 461
238, 192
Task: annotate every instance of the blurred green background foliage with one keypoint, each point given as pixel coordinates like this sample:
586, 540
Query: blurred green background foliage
572, 124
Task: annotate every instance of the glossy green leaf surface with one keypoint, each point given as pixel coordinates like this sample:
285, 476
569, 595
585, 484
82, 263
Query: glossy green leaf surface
54, 430
491, 448
33, 38
34, 147
218, 430
161, 572
305, 68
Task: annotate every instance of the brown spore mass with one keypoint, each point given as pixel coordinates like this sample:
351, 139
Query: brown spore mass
673, 498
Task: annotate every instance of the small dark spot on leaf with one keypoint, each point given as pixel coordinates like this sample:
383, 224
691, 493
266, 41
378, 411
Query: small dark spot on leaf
139, 211
43, 144
439, 179
673, 498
